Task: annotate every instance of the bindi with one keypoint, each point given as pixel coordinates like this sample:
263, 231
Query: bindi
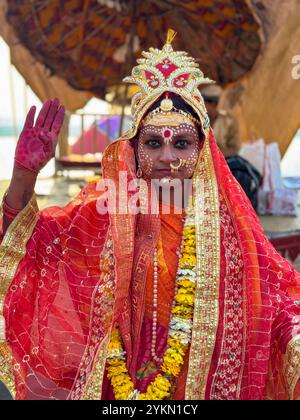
167, 134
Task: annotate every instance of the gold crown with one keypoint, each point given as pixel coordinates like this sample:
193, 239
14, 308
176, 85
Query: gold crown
163, 71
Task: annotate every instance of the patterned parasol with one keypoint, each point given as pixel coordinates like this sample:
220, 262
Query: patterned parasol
94, 43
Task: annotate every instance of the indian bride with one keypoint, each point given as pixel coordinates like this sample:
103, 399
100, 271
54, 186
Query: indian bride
171, 301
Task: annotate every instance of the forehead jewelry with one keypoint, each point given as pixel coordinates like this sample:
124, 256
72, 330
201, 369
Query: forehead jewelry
166, 114
167, 135
175, 168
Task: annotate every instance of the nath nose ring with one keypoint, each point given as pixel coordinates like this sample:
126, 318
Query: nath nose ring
175, 168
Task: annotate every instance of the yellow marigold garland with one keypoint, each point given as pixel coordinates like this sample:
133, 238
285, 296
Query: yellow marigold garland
179, 336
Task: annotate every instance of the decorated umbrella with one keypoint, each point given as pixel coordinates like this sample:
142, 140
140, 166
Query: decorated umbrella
93, 44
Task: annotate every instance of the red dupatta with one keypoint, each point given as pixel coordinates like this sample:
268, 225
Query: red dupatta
62, 299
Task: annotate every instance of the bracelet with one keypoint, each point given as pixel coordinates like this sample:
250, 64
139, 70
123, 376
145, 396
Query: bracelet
8, 211
21, 166
8, 215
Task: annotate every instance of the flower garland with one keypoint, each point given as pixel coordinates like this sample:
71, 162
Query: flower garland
179, 336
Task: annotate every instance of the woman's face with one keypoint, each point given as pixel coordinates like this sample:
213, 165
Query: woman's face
159, 147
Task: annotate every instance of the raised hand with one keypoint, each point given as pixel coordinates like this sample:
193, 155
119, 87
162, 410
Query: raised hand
37, 142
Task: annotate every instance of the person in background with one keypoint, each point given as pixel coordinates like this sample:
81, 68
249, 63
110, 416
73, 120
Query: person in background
227, 135
222, 121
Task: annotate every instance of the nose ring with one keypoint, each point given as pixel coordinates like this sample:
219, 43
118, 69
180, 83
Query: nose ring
175, 168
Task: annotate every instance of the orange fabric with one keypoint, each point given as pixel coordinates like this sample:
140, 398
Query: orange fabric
169, 242
143, 368
60, 305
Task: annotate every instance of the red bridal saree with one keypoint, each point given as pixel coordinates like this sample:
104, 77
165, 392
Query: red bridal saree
69, 275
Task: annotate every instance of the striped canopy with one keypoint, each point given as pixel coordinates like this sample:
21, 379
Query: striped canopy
93, 44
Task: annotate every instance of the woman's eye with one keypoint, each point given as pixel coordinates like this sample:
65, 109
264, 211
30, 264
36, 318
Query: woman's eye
153, 143
181, 144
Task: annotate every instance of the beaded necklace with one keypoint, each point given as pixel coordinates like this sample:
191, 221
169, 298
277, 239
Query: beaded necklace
180, 329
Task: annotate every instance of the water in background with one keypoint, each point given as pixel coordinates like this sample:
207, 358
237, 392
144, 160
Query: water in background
8, 140
7, 152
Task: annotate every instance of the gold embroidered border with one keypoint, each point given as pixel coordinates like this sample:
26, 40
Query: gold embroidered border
88, 382
12, 250
206, 310
244, 298
13, 246
292, 365
6, 371
224, 387
93, 388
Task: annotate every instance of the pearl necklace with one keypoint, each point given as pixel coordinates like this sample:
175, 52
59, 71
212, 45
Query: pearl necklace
179, 334
154, 318
155, 301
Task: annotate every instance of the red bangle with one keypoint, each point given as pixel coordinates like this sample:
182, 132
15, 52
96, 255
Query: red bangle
8, 215
8, 209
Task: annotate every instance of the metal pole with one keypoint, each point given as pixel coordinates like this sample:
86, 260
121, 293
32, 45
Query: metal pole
123, 110
13, 99
82, 134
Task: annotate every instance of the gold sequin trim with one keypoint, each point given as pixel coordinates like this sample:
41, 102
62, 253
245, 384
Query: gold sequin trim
13, 247
292, 365
6, 371
93, 388
88, 384
12, 250
206, 310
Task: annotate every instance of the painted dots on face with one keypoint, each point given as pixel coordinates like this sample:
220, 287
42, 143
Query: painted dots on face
145, 160
183, 131
184, 140
192, 161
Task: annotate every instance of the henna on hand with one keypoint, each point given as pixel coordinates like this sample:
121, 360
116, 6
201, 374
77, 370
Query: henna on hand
37, 142
36, 146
